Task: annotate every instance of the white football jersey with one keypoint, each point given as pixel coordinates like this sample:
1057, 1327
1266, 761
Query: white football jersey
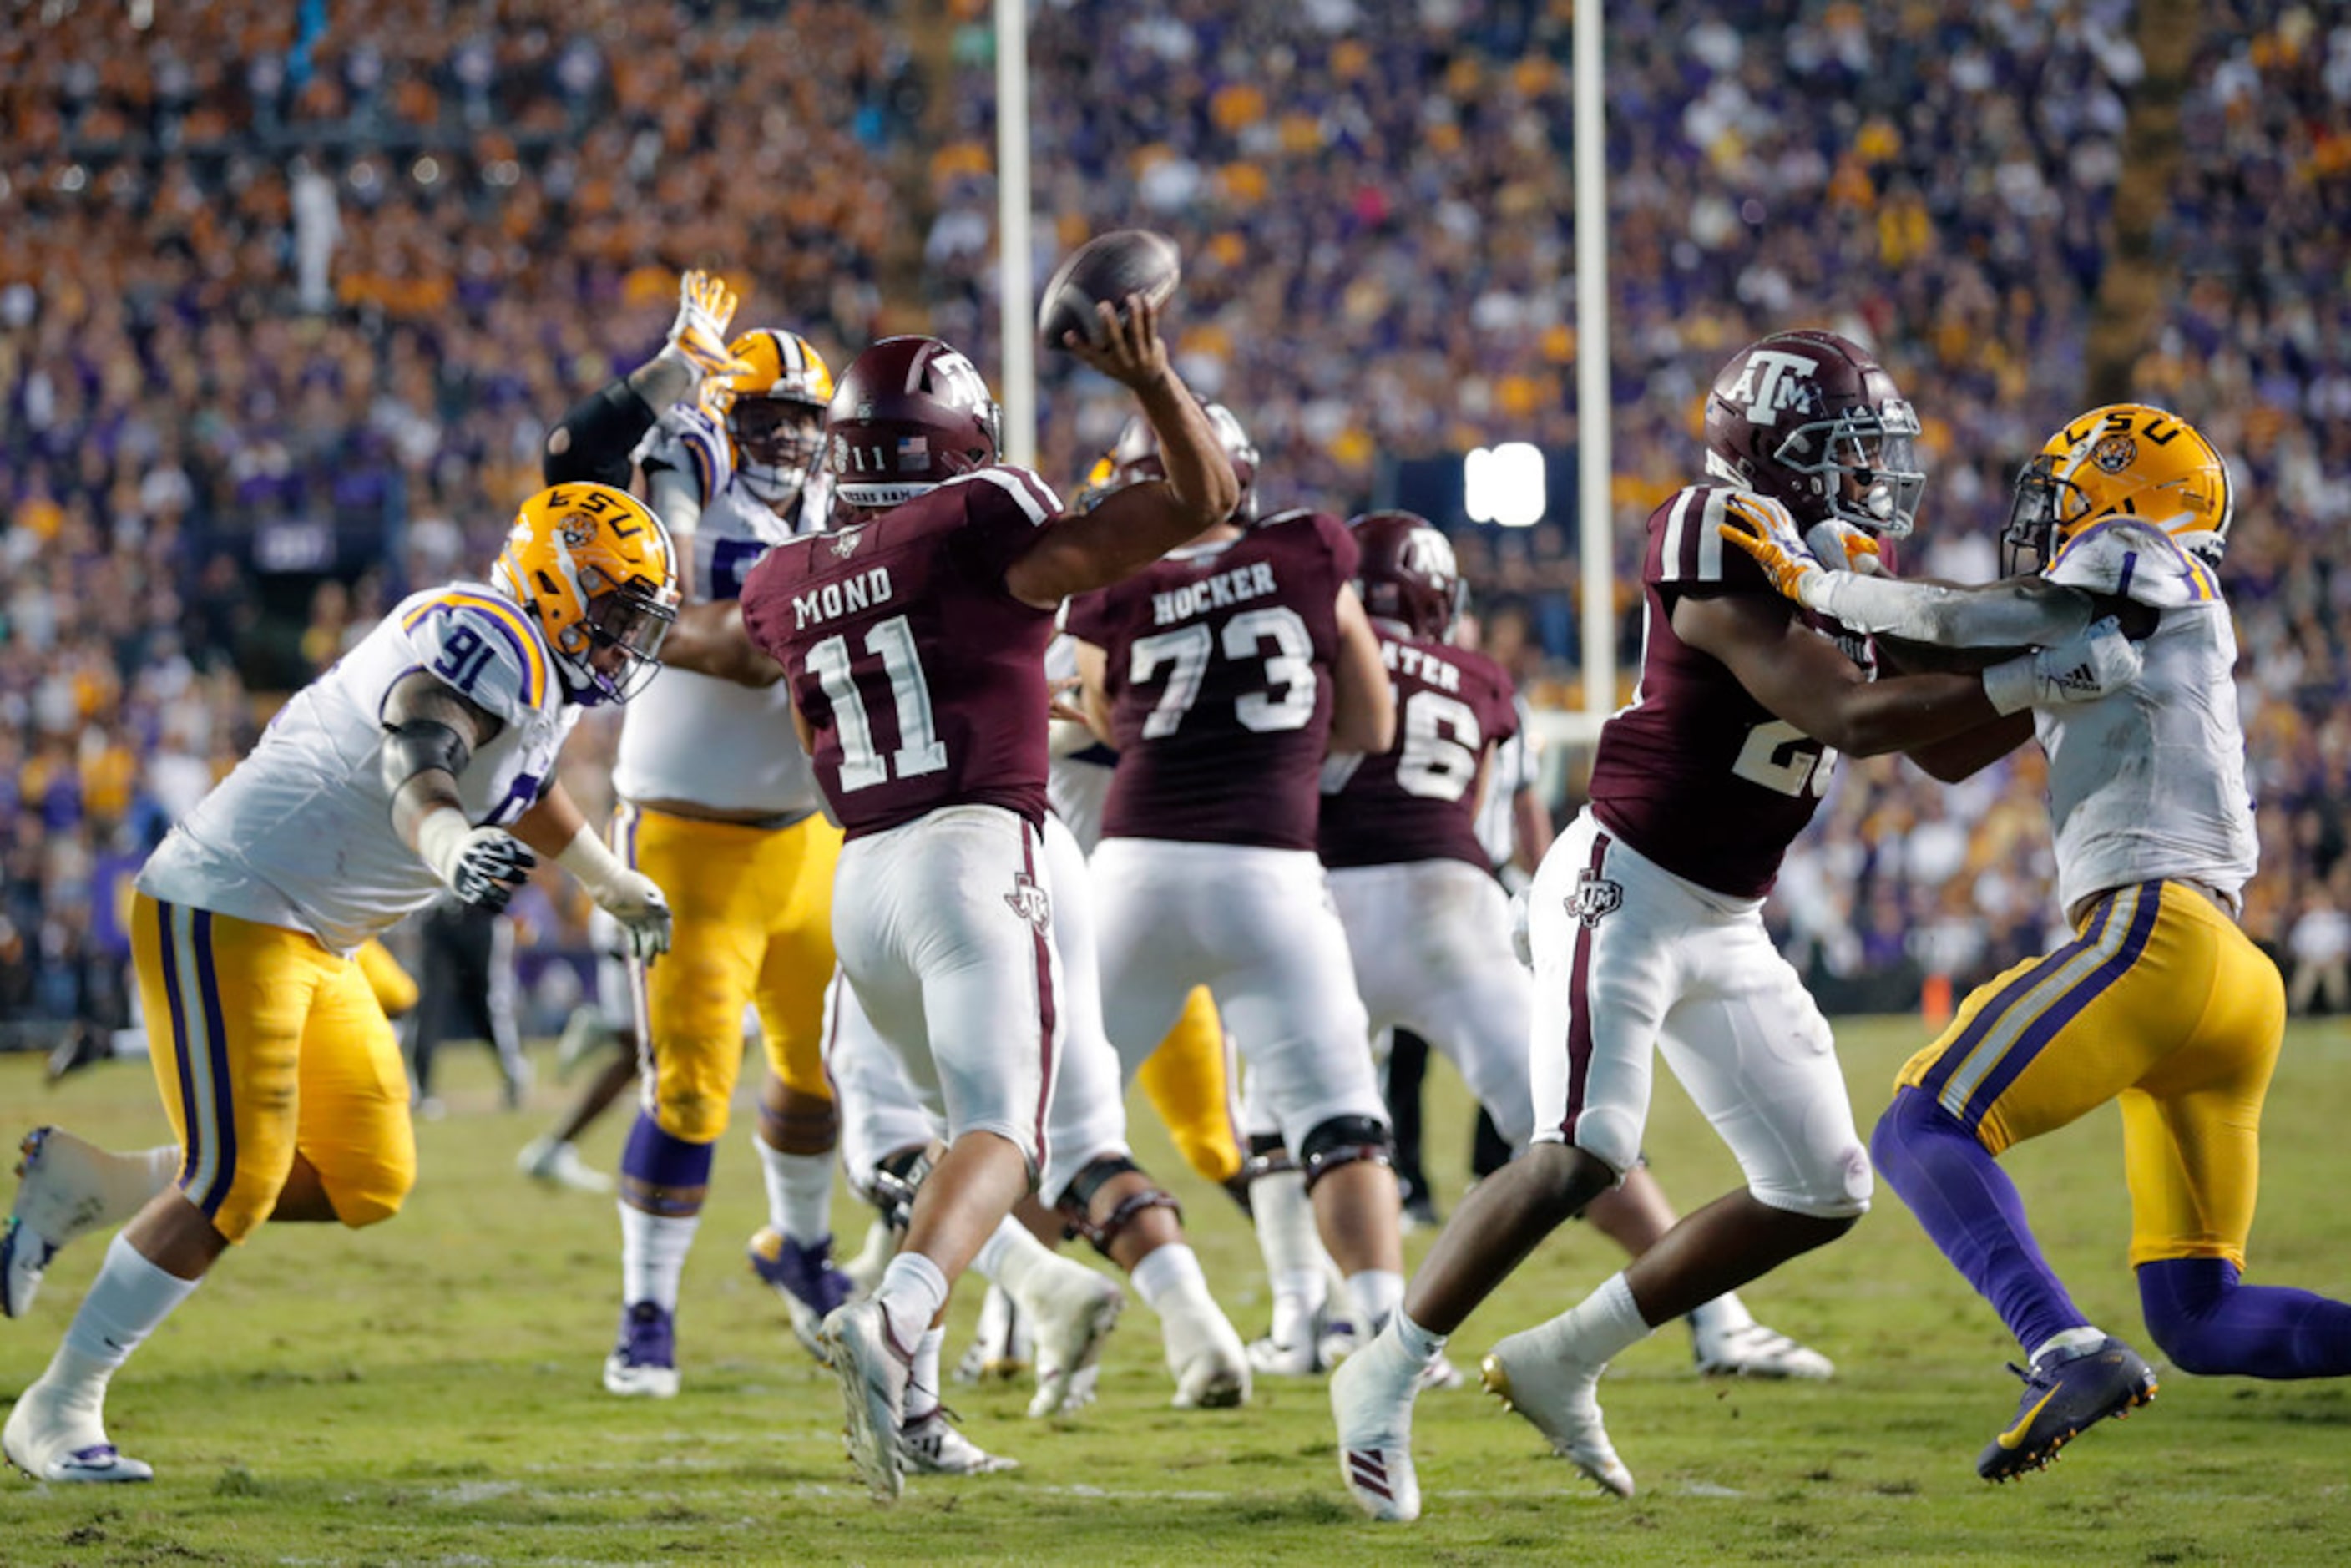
711, 742
300, 834
2149, 781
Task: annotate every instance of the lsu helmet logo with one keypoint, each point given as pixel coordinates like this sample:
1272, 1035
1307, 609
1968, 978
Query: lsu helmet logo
2113, 454
1773, 380
1029, 901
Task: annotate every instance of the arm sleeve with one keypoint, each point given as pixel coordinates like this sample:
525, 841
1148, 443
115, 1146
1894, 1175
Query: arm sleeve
596, 436
2020, 614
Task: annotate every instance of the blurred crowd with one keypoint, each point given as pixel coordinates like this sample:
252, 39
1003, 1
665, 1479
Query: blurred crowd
287, 302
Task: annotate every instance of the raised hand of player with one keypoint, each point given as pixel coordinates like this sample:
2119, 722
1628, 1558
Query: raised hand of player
1762, 527
1841, 547
704, 306
634, 901
1130, 351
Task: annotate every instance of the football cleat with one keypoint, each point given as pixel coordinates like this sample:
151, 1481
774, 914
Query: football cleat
864, 1271
67, 1188
2065, 1392
873, 1374
52, 1437
1204, 1353
1000, 1348
644, 1364
558, 1163
1753, 1350
1371, 1400
84, 1044
1073, 1310
930, 1446
1561, 1398
804, 1277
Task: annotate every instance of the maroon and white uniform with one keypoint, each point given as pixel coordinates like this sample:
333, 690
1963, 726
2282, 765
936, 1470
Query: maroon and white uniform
1219, 662
1428, 925
923, 680
1646, 918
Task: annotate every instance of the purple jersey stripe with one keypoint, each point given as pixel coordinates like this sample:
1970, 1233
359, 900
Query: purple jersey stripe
1989, 1017
216, 1043
176, 1026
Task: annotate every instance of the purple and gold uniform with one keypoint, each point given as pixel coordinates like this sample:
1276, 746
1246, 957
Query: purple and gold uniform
1646, 918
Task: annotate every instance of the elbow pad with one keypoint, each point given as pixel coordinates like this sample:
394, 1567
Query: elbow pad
422, 746
593, 441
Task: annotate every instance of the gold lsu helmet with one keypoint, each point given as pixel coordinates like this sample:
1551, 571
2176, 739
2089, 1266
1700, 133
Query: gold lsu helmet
773, 410
593, 566
2127, 459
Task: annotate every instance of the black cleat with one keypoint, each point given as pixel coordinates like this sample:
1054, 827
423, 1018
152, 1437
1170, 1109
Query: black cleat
2062, 1393
82, 1045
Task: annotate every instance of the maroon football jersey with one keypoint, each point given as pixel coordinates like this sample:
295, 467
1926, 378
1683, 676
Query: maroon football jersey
1696, 774
1220, 683
923, 677
1418, 802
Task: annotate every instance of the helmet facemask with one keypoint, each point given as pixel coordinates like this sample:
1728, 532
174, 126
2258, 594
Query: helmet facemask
1864, 465
616, 645
778, 441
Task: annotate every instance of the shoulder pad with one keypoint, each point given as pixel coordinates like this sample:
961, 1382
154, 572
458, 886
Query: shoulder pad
1685, 547
1030, 493
485, 646
2133, 559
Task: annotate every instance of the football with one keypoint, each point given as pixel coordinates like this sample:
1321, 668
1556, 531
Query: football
1106, 268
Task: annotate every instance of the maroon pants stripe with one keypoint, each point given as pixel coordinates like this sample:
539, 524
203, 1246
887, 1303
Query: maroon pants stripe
1579, 1002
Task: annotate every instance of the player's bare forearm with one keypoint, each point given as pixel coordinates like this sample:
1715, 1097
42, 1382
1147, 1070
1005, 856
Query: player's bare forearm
711, 640
423, 700
1965, 755
553, 820
1362, 701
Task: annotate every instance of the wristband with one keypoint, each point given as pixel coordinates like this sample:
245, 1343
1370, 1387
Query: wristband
597, 868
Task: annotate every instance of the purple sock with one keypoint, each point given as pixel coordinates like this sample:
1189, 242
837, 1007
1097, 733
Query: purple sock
662, 1175
2208, 1324
1973, 1213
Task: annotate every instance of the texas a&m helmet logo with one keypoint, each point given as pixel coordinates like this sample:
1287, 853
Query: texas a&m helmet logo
1595, 899
1773, 380
1029, 901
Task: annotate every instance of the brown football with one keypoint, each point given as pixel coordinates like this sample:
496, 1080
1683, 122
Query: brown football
1107, 267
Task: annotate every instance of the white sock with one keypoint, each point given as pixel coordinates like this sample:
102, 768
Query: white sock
129, 1297
2085, 1338
1378, 1295
653, 1255
1287, 1239
910, 1293
800, 1193
1598, 1329
923, 1379
1012, 1258
1419, 1342
1166, 1271
1724, 1314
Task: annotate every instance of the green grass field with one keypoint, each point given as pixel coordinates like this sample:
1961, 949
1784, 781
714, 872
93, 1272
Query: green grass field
427, 1392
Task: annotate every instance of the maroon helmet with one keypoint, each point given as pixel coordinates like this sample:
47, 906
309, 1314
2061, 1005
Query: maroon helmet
1810, 420
1406, 574
911, 415
1134, 456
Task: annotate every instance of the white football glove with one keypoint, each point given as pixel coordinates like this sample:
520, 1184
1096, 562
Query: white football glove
1841, 547
2093, 661
482, 866
635, 901
685, 438
704, 306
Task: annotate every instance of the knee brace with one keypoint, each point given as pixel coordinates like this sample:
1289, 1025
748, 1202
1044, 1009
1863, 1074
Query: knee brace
898, 1176
1267, 1156
1344, 1141
1076, 1202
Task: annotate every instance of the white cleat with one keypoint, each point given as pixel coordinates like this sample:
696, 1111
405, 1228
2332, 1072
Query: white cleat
1204, 1353
1301, 1346
51, 1437
1753, 1350
559, 1165
1000, 1349
873, 1373
1561, 1398
67, 1188
1441, 1373
930, 1446
1072, 1311
1370, 1399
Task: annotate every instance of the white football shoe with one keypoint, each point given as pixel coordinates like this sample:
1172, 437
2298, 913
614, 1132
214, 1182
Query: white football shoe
1370, 1399
67, 1188
557, 1163
1561, 1398
1072, 1309
873, 1373
1204, 1353
1000, 1347
930, 1446
1753, 1350
55, 1437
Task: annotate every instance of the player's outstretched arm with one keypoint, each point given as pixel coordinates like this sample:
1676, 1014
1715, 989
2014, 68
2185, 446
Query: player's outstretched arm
711, 640
1142, 522
1362, 700
596, 436
556, 827
431, 733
